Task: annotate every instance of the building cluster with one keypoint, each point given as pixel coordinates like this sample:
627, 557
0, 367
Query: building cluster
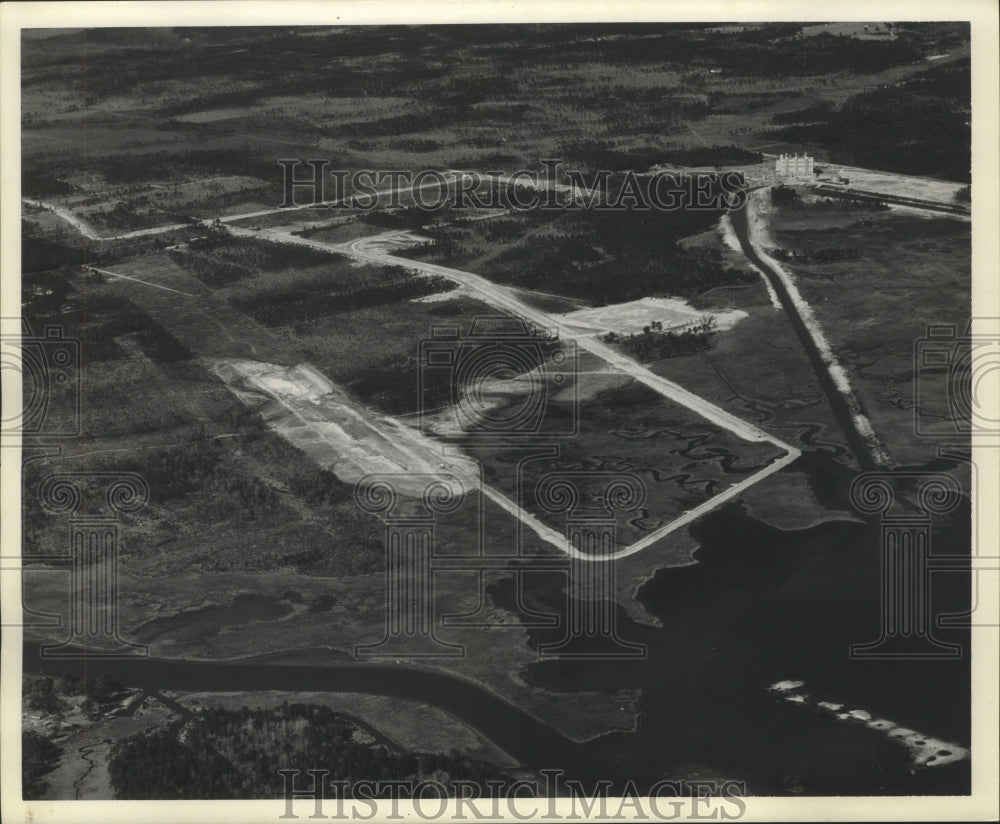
793, 166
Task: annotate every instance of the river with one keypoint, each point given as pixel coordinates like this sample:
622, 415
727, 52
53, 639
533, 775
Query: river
760, 606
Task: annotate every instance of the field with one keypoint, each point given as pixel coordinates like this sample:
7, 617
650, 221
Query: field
254, 364
166, 137
231, 499
896, 259
599, 257
384, 372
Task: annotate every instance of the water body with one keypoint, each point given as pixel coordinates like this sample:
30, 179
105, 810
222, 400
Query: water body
760, 606
511, 728
705, 701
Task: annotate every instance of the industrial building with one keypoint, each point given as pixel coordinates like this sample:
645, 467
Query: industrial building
793, 166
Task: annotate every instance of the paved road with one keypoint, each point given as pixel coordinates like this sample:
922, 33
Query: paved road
502, 297
845, 406
82, 227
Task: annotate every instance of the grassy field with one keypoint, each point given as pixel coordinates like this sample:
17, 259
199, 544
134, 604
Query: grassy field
919, 263
236, 511
204, 136
680, 459
183, 124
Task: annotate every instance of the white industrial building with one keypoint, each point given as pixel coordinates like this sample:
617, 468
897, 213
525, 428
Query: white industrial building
793, 166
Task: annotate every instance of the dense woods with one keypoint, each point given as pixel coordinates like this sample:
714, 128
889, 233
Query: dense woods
600, 256
39, 756
920, 126
219, 258
309, 302
237, 754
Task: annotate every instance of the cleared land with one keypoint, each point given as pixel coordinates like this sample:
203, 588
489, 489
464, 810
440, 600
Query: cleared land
251, 382
371, 249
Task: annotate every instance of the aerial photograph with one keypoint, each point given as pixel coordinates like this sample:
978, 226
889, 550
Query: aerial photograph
497, 412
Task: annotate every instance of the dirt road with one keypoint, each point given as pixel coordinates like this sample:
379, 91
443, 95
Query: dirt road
371, 250
847, 409
87, 230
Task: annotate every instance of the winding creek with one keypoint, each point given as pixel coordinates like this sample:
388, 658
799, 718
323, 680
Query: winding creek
760, 606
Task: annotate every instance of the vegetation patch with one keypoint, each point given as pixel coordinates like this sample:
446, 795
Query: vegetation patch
653, 343
920, 126
238, 754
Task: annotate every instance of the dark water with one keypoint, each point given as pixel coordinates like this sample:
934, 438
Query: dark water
759, 606
762, 606
511, 728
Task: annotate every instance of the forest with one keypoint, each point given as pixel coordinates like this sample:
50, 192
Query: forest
39, 756
280, 306
603, 154
219, 258
920, 126
303, 62
40, 253
600, 256
238, 753
49, 697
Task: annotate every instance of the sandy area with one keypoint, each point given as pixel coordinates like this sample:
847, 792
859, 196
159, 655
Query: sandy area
925, 751
630, 318
451, 294
304, 407
389, 242
925, 188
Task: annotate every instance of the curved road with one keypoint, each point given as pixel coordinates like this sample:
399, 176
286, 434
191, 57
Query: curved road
497, 295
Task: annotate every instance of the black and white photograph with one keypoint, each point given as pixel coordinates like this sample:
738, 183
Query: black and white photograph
530, 416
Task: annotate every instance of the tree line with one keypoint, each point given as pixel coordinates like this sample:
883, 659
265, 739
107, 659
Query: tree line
655, 343
238, 753
920, 126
